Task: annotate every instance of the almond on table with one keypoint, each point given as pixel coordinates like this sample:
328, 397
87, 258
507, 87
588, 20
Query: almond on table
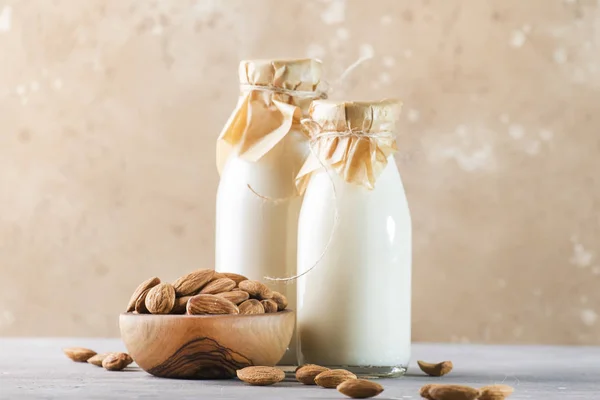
332, 378
116, 361
79, 354
495, 392
306, 374
97, 359
128, 358
260, 376
424, 391
439, 369
452, 392
359, 388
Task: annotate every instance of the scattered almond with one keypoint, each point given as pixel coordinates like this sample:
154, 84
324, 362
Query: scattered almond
218, 286
332, 378
306, 373
495, 392
116, 361
237, 278
180, 305
160, 299
97, 359
439, 369
251, 306
193, 282
128, 358
236, 297
260, 376
424, 392
79, 354
143, 287
281, 300
453, 392
269, 305
359, 388
210, 304
256, 289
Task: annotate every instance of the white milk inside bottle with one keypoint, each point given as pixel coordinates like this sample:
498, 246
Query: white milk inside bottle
259, 153
354, 305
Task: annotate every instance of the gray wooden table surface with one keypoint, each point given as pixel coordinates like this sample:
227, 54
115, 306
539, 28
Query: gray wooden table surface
37, 369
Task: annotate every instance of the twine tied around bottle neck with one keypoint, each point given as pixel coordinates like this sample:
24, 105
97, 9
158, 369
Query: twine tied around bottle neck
319, 93
353, 133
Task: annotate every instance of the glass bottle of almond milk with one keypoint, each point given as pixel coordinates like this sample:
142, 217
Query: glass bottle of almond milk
259, 153
354, 306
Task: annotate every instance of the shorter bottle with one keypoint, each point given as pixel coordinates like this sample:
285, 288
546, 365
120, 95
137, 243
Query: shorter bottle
354, 242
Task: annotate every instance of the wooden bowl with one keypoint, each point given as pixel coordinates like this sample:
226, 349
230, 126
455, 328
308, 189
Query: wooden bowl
205, 346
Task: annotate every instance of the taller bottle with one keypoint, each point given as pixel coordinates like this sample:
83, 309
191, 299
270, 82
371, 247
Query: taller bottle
259, 153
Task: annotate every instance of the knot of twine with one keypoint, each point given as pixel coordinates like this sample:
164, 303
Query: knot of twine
354, 133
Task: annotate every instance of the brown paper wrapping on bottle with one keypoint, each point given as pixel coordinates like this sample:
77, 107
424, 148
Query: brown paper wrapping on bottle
355, 139
263, 117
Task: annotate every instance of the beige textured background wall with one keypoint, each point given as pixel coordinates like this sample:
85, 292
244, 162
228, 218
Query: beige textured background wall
109, 111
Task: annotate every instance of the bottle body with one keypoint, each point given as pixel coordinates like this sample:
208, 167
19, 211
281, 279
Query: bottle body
354, 307
257, 218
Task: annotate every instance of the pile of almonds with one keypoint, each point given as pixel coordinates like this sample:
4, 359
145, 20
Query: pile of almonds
344, 381
110, 361
206, 292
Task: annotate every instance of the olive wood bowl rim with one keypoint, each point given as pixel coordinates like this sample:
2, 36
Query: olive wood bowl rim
204, 316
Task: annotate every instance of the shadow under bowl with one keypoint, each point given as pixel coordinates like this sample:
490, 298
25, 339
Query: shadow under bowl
205, 346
